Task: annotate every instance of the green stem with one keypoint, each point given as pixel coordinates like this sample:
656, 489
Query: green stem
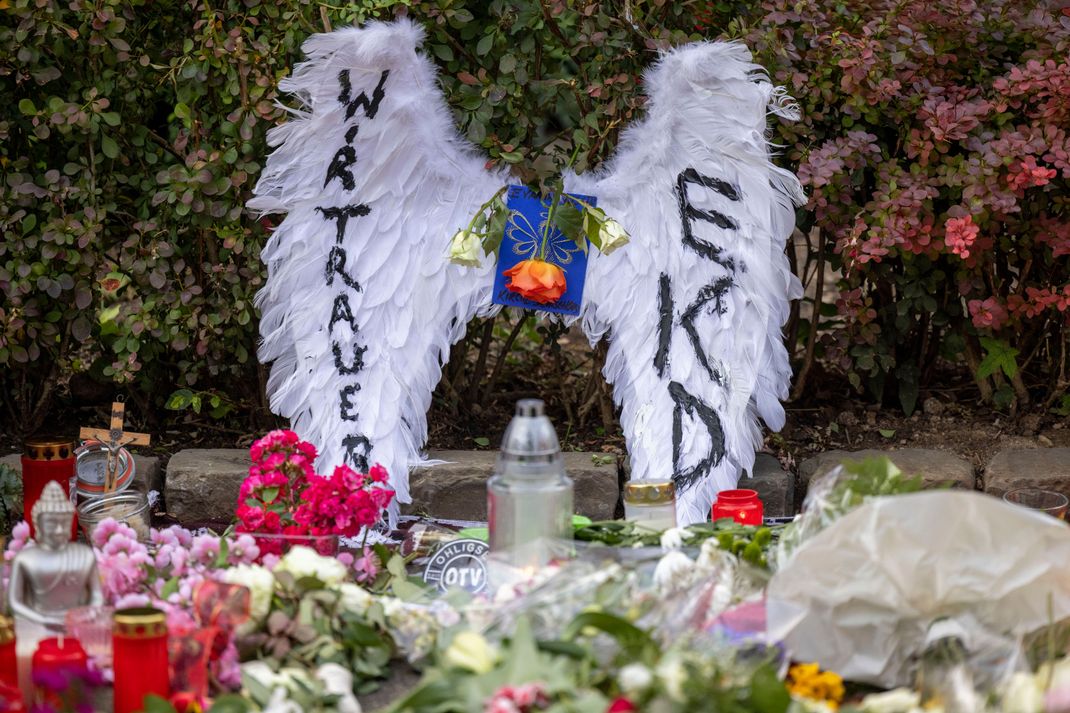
483, 208
548, 226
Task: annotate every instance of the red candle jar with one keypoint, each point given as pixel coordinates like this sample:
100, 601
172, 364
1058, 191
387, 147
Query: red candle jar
139, 655
743, 506
54, 663
9, 663
45, 459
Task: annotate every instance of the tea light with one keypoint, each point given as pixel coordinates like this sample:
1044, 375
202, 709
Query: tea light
45, 460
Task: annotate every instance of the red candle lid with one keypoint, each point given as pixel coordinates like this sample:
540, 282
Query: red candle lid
737, 495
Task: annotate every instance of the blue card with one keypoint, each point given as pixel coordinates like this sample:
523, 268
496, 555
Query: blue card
524, 240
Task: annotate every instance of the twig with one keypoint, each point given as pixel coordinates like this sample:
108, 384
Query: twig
500, 361
811, 338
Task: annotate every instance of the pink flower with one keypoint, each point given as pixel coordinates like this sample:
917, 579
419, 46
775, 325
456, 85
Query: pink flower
989, 314
205, 550
367, 566
960, 235
20, 535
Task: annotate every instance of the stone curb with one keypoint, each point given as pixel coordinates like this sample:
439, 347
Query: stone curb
775, 485
938, 468
202, 484
1046, 468
148, 475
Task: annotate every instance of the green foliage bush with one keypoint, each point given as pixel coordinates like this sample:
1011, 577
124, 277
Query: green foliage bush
935, 147
132, 132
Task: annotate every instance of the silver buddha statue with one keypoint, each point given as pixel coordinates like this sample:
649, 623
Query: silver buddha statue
55, 574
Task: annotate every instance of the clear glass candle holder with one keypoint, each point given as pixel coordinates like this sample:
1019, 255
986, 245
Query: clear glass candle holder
1045, 501
92, 626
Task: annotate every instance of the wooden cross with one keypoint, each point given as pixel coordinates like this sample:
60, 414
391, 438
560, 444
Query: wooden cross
113, 439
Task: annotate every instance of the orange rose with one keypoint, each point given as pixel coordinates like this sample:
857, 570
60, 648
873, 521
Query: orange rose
538, 280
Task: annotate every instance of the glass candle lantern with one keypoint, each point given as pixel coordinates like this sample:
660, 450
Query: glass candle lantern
139, 656
529, 498
742, 505
44, 460
650, 503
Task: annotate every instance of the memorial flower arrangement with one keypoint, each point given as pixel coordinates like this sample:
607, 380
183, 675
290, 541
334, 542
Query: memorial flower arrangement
283, 495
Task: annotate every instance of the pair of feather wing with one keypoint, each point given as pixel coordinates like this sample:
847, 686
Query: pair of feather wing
678, 320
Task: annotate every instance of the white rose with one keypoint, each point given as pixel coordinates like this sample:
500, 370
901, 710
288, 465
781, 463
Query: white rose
354, 598
339, 682
261, 584
635, 678
671, 570
673, 676
900, 700
673, 538
1022, 694
612, 236
304, 562
465, 249
280, 703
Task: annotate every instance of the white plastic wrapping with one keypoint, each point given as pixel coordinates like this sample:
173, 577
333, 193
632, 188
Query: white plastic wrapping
860, 596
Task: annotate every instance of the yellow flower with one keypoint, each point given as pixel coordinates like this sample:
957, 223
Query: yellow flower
612, 236
807, 680
470, 651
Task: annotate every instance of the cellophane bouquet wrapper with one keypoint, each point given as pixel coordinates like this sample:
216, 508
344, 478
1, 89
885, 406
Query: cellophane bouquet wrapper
861, 595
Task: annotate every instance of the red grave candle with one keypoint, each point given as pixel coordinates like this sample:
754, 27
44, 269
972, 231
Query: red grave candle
743, 506
139, 655
45, 459
9, 665
57, 659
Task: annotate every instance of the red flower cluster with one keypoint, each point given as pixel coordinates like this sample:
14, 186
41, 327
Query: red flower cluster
283, 495
518, 699
344, 503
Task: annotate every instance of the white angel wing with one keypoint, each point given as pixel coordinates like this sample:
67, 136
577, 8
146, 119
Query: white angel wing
361, 305
694, 306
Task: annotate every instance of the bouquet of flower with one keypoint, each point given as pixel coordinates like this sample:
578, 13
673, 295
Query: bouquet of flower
283, 495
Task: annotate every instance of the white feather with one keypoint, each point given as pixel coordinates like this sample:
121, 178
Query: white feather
420, 182
707, 111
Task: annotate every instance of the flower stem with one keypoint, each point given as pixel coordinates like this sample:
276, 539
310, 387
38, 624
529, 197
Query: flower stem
483, 208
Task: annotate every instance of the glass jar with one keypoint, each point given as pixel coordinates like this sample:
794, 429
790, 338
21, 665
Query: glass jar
650, 503
130, 507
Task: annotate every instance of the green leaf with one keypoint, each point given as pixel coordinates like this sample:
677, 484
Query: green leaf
507, 65
108, 314
484, 45
179, 400
182, 111
396, 566
569, 220
230, 703
482, 441
768, 693
108, 146
887, 432
443, 52
156, 704
26, 107
512, 156
111, 118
